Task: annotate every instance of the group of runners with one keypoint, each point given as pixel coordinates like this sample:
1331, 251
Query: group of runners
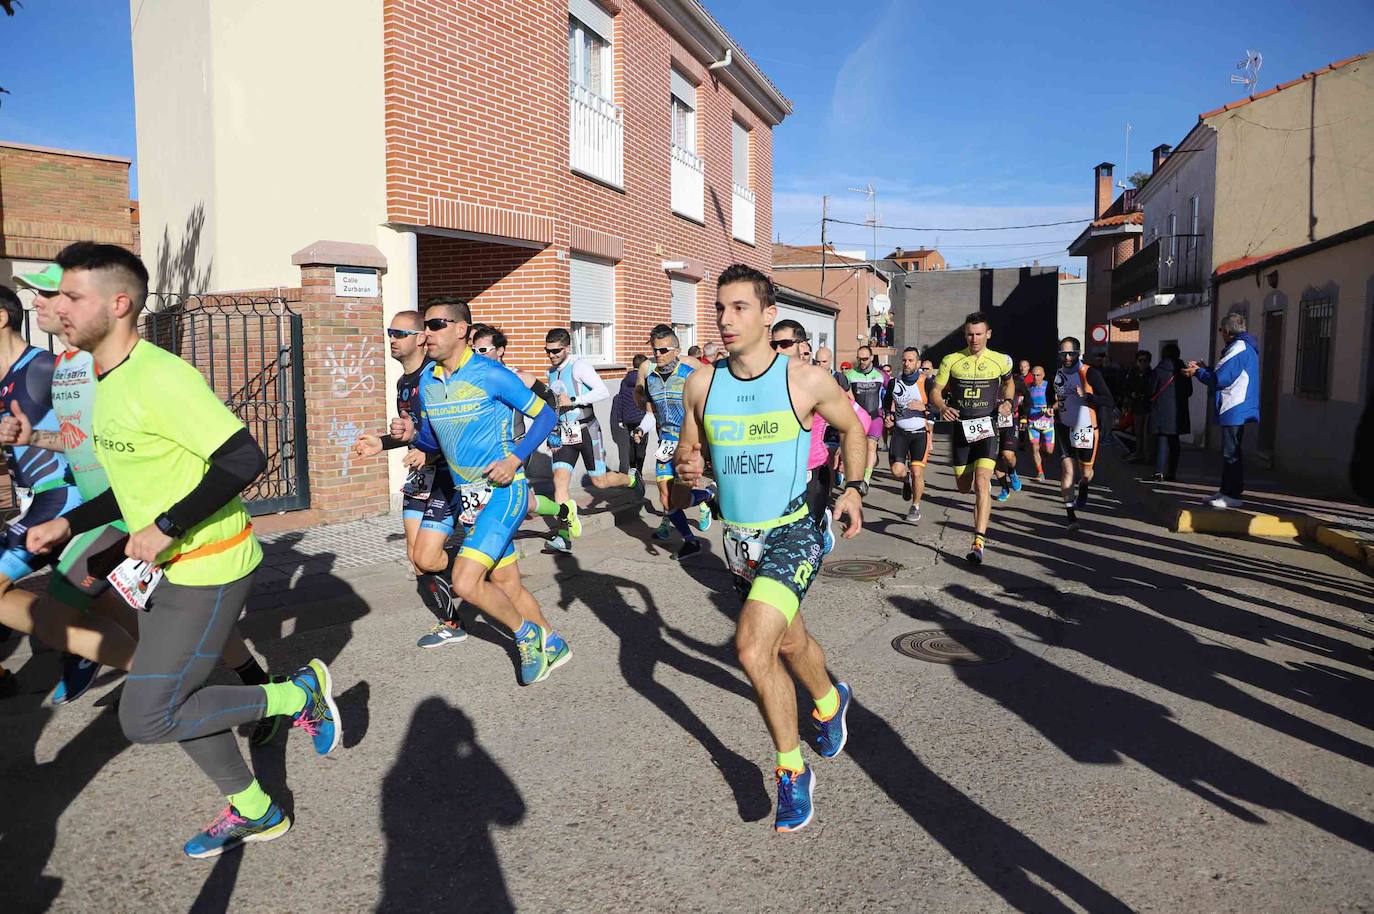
143, 491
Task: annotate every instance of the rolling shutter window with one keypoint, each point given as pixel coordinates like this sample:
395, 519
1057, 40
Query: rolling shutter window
592, 289
684, 301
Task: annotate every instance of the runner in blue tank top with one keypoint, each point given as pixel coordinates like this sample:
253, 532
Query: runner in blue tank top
660, 387
753, 411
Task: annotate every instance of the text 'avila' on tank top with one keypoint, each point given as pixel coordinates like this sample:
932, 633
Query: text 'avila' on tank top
758, 447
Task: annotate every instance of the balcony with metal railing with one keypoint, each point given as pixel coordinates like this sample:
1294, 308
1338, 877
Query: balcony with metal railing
596, 136
689, 184
1168, 265
742, 214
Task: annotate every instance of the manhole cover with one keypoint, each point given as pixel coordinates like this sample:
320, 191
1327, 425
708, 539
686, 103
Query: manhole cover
860, 569
956, 648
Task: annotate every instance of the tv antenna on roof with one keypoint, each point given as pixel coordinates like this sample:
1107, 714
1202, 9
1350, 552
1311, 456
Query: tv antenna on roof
1126, 168
871, 196
1250, 68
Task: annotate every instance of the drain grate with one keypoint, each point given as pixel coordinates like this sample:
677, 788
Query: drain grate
860, 569
956, 648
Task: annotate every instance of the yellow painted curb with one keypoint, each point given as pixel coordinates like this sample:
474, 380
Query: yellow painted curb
1242, 523
1345, 542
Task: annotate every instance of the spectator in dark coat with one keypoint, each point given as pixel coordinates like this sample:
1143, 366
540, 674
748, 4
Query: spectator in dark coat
1137, 390
628, 422
1170, 389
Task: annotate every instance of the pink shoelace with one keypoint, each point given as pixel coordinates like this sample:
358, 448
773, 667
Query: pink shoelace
310, 725
225, 821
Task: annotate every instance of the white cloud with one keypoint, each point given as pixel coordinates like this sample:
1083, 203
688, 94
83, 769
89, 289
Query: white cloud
865, 77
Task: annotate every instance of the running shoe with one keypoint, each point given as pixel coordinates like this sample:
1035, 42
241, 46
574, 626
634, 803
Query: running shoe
533, 650
1006, 490
265, 730
1158, 477
834, 733
828, 533
558, 543
1225, 501
320, 716
975, 554
913, 514
705, 510
1015, 481
231, 830
557, 651
442, 633
77, 675
664, 531
794, 799
574, 522
1039, 477
689, 548
906, 487
1082, 500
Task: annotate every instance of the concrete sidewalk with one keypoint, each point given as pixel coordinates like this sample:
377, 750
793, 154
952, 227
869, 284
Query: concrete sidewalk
1275, 505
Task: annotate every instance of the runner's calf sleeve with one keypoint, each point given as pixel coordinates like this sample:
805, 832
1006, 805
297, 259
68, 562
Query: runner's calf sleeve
235, 464
679, 521
547, 507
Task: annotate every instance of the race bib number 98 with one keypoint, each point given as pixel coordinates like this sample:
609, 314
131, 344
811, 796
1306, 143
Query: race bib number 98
744, 550
977, 429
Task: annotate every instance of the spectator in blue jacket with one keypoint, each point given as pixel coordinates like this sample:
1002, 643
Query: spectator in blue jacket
630, 425
1237, 382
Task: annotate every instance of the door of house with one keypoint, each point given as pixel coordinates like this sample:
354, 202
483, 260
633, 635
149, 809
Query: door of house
1271, 370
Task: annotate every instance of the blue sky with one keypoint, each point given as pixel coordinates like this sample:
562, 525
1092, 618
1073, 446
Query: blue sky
959, 114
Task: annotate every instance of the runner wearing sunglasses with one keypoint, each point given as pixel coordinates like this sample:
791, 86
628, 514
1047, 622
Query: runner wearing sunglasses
428, 510
577, 388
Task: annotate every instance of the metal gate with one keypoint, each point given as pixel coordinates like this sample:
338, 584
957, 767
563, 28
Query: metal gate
250, 351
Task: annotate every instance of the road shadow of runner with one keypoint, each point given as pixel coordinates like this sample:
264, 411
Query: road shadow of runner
642, 648
1098, 724
440, 801
37, 795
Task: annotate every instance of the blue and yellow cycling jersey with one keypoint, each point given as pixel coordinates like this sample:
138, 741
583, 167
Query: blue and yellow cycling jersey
29, 382
665, 392
467, 416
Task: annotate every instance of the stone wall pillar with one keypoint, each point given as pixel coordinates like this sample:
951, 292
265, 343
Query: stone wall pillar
345, 354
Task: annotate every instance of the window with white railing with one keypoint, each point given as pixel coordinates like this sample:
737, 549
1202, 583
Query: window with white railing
688, 170
742, 203
596, 137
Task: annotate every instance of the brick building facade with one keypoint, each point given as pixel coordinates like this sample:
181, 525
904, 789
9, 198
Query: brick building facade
1108, 242
52, 197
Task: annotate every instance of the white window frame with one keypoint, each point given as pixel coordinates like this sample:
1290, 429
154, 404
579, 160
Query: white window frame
582, 41
686, 336
592, 323
584, 333
683, 97
1173, 234
1195, 216
738, 130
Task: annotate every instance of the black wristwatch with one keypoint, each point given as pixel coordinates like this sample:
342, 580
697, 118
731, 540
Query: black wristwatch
858, 484
168, 526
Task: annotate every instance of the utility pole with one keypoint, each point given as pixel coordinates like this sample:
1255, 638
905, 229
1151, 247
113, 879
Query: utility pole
825, 200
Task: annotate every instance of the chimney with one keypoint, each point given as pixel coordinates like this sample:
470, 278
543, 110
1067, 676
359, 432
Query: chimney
1102, 189
1158, 155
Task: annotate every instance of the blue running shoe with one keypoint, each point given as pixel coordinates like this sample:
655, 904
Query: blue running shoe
794, 799
1015, 481
1005, 493
77, 675
442, 633
532, 643
231, 830
835, 731
320, 716
664, 531
828, 534
557, 651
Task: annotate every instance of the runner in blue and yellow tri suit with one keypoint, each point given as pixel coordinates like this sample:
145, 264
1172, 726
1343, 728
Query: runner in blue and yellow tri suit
753, 412
466, 404
660, 387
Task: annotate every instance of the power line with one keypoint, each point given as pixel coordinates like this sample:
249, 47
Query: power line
985, 228
1001, 244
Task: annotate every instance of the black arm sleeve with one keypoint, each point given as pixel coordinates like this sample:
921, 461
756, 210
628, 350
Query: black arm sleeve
103, 509
237, 463
1102, 393
390, 444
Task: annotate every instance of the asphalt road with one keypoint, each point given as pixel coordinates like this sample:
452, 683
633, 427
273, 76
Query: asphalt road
1177, 724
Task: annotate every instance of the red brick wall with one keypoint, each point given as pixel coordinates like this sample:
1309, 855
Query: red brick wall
477, 111
49, 199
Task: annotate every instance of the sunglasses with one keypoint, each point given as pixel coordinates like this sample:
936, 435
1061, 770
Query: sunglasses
663, 350
439, 323
398, 334
483, 350
548, 351
782, 344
